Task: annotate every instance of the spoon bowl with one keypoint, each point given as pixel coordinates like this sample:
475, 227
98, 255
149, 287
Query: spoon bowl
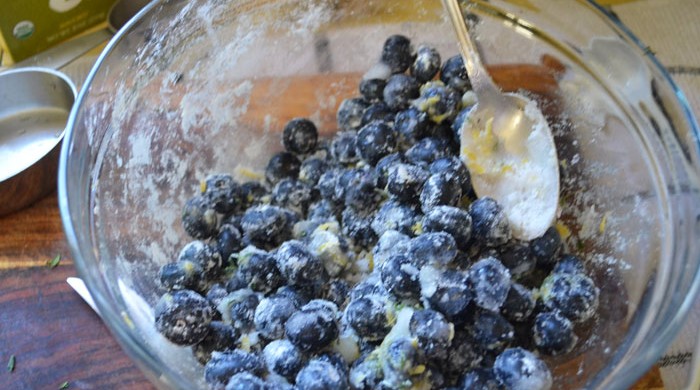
507, 145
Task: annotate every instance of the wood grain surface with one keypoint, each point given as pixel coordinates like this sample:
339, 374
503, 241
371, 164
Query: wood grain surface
53, 334
56, 337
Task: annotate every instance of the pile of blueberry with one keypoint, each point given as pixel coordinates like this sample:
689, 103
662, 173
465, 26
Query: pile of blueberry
366, 261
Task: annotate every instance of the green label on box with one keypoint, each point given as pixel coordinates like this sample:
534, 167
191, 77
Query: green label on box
30, 26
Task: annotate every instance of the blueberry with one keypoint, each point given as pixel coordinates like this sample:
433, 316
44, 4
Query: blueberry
327, 184
223, 365
393, 215
300, 136
462, 355
441, 189
222, 193
303, 229
235, 283
372, 285
271, 314
433, 332
221, 337
574, 295
443, 132
298, 265
452, 220
519, 303
366, 374
311, 170
204, 255
282, 165
229, 240
433, 248
358, 227
400, 90
283, 358
346, 179
216, 294
332, 250
323, 210
245, 381
427, 150
491, 331
400, 277
297, 295
375, 140
491, 283
277, 382
336, 360
518, 258
426, 64
489, 223
391, 242
433, 377
398, 53
337, 292
411, 125
350, 113
321, 375
361, 191
372, 89
181, 275
183, 317
265, 226
405, 181
292, 194
378, 111
448, 292
199, 218
569, 264
553, 333
312, 329
546, 248
480, 378
454, 74
519, 369
322, 304
401, 361
454, 167
369, 318
439, 102
383, 167
462, 115
251, 193
344, 147
238, 309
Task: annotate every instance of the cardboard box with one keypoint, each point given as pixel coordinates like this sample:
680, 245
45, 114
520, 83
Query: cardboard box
28, 27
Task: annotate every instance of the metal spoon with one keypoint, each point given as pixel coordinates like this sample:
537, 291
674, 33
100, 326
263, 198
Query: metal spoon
507, 146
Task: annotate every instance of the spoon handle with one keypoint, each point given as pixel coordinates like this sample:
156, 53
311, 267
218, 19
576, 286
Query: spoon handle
481, 82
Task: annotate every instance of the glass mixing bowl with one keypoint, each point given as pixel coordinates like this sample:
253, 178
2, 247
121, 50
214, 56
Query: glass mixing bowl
191, 88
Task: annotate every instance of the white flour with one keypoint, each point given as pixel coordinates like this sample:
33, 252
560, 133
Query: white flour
525, 184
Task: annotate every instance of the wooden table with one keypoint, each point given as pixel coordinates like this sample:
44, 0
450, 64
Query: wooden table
53, 334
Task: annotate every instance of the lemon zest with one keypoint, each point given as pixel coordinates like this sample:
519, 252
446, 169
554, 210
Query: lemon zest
563, 230
603, 223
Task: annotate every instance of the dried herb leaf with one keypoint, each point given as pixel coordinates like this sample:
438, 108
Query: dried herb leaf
11, 363
64, 386
54, 262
